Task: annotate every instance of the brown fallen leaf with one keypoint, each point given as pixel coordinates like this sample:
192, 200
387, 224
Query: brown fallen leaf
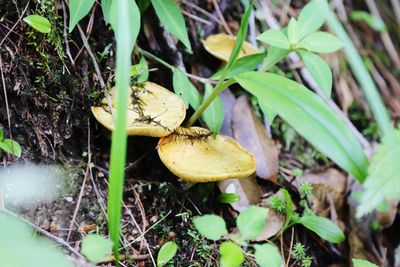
247, 188
228, 100
251, 134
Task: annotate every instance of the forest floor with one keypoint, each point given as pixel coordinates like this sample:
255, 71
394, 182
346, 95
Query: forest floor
49, 83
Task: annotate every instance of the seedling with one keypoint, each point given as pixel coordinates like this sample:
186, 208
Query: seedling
9, 146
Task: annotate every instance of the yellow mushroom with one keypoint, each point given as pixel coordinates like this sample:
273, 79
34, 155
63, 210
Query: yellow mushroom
221, 46
152, 111
192, 154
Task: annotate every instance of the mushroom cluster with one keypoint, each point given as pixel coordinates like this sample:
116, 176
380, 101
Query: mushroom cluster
192, 154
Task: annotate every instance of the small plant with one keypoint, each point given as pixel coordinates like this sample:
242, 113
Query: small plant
166, 253
251, 222
9, 146
299, 254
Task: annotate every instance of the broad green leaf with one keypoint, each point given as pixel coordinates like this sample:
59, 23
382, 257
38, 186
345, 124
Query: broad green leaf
312, 16
228, 198
10, 146
39, 23
293, 32
363, 263
106, 9
1, 135
96, 247
172, 19
166, 253
321, 42
213, 116
372, 21
319, 70
274, 55
267, 255
130, 31
251, 222
211, 226
184, 88
275, 38
77, 10
323, 227
383, 181
231, 255
308, 114
20, 246
243, 64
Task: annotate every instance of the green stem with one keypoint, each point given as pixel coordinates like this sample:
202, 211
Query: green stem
155, 58
221, 85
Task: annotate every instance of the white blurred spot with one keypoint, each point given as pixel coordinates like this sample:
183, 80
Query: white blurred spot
28, 184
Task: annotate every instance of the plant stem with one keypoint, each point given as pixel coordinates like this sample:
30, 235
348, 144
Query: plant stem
221, 85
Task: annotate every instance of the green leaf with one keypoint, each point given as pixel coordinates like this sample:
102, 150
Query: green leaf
289, 207
267, 255
106, 8
308, 114
172, 18
20, 246
312, 16
231, 255
323, 227
321, 42
213, 116
372, 21
184, 88
140, 71
319, 70
211, 226
240, 37
143, 5
166, 253
267, 111
130, 31
275, 38
12, 147
39, 23
125, 20
96, 247
77, 10
1, 135
274, 55
363, 263
293, 32
251, 222
228, 198
383, 181
243, 64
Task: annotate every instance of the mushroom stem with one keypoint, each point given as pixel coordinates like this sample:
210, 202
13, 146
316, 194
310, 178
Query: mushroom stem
221, 85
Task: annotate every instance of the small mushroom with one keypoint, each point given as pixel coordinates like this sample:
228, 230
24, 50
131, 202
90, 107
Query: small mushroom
152, 111
194, 155
221, 46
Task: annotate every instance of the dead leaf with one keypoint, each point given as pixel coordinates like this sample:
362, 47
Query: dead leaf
228, 100
251, 134
247, 188
328, 187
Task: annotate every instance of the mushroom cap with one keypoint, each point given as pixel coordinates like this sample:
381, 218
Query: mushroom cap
221, 45
193, 155
162, 111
